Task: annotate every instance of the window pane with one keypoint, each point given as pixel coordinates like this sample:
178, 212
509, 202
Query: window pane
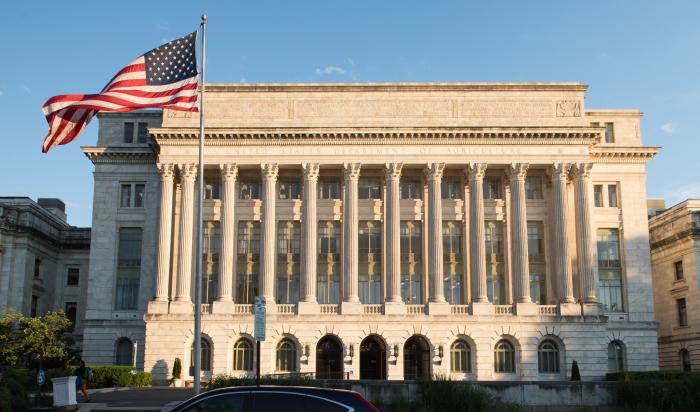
328, 262
452, 261
682, 315
249, 190
288, 265
678, 268
220, 403
495, 270
369, 188
128, 269
290, 190
598, 195
212, 189
610, 271
125, 200
142, 132
273, 402
609, 133
73, 277
410, 189
125, 352
139, 193
536, 259
128, 133
411, 262
612, 195
370, 261
247, 266
329, 189
492, 187
211, 250
533, 187
451, 188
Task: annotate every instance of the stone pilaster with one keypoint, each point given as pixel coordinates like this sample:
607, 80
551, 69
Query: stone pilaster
309, 234
165, 230
183, 299
586, 247
436, 300
392, 207
521, 272
224, 302
477, 232
351, 299
270, 172
560, 174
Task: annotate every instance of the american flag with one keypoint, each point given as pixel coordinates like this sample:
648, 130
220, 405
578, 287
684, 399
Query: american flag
165, 77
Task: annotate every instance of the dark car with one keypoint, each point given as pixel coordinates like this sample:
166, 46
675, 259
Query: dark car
276, 399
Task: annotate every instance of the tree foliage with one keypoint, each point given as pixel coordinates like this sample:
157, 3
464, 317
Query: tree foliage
24, 340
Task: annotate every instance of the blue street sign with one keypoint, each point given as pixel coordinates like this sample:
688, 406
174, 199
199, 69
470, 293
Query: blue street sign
259, 313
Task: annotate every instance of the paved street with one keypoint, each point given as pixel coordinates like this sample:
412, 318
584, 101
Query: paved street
148, 397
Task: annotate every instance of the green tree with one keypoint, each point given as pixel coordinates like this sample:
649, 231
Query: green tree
11, 339
27, 339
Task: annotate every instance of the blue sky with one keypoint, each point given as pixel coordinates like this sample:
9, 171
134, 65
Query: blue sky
633, 54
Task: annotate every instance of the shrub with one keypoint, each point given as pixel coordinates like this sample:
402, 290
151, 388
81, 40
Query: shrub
14, 386
224, 381
177, 369
446, 395
658, 390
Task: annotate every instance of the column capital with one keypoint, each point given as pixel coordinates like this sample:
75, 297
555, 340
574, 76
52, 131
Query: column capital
188, 171
166, 170
270, 170
311, 171
229, 171
559, 171
392, 171
352, 170
433, 171
581, 170
517, 171
477, 171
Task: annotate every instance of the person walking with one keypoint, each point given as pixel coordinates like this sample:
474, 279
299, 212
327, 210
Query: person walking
83, 373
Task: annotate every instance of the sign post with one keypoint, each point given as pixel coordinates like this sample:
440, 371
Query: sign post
259, 332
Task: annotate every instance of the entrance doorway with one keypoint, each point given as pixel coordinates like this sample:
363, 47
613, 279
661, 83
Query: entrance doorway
416, 359
372, 358
329, 359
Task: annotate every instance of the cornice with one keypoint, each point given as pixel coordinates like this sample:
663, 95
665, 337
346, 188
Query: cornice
119, 155
384, 87
618, 154
331, 136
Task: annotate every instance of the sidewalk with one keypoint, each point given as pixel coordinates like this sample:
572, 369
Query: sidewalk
133, 399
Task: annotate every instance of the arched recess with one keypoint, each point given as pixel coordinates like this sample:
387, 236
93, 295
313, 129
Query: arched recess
124, 352
416, 358
373, 358
329, 358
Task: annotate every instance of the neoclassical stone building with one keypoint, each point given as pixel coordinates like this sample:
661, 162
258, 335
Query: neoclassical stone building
492, 231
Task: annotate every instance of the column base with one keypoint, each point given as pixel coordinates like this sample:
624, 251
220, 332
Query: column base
182, 306
222, 306
308, 308
569, 309
351, 308
592, 309
526, 309
438, 308
394, 308
157, 306
482, 309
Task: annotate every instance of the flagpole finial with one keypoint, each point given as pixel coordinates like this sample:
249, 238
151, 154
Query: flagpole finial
204, 18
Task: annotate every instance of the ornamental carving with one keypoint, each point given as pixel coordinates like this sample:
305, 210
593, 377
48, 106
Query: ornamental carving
560, 171
270, 170
311, 171
517, 171
229, 171
477, 171
433, 171
166, 171
581, 170
393, 171
569, 108
352, 171
178, 113
188, 171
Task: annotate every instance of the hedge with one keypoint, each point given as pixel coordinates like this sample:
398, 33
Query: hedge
668, 391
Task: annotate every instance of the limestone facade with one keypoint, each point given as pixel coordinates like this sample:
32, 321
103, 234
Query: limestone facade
394, 230
675, 258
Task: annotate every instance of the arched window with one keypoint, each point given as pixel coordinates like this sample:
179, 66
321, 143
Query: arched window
504, 357
125, 352
461, 357
685, 360
243, 355
205, 359
286, 356
616, 356
548, 357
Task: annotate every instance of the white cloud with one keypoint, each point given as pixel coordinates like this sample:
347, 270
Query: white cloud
351, 62
689, 191
330, 70
668, 127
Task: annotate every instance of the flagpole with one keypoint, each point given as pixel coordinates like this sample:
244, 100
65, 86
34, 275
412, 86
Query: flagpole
198, 270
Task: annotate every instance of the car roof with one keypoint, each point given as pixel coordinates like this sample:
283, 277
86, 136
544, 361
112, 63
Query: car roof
264, 388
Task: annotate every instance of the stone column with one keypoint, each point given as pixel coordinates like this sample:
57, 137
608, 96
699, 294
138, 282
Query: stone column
309, 233
269, 223
392, 207
480, 300
351, 300
560, 174
183, 299
585, 241
165, 230
436, 301
224, 302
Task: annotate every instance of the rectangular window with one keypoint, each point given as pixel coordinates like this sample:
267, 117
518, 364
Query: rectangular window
492, 187
290, 190
610, 270
678, 269
34, 310
451, 187
609, 133
139, 193
212, 189
328, 262
72, 313
128, 268
536, 261
612, 195
533, 188
329, 189
128, 132
369, 188
248, 262
411, 262
211, 251
73, 277
132, 195
37, 268
370, 261
452, 261
142, 135
249, 189
495, 271
125, 200
682, 314
288, 270
598, 195
695, 220
411, 189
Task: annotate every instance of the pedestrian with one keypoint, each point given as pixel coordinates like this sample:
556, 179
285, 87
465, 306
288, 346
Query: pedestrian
83, 373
